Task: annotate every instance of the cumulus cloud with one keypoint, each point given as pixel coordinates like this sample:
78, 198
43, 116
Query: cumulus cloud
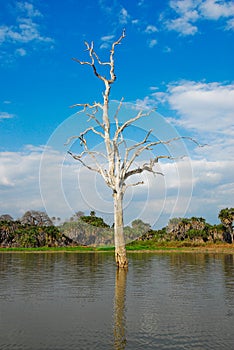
19, 179
205, 110
203, 106
213, 9
182, 25
188, 13
19, 190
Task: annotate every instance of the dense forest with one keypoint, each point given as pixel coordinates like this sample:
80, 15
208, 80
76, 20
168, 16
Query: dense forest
36, 229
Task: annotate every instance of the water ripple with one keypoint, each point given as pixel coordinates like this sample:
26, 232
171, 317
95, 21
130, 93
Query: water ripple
78, 301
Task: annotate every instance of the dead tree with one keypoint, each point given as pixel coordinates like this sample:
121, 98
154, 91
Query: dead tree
120, 165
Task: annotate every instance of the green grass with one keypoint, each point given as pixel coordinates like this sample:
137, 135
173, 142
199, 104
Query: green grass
48, 249
149, 245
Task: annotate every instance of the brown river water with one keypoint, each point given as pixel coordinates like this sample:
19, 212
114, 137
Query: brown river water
66, 301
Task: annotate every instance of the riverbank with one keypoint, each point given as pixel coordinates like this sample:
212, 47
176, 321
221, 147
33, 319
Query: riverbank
134, 247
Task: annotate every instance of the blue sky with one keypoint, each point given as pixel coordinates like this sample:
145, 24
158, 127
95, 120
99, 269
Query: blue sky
177, 56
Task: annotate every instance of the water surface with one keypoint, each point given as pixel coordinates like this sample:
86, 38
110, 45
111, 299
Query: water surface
63, 301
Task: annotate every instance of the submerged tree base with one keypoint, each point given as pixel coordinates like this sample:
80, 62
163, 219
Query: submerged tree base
121, 258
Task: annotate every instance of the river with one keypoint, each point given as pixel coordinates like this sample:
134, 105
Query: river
66, 301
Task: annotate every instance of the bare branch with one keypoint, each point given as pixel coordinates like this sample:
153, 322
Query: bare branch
81, 62
135, 146
147, 167
92, 63
99, 61
87, 105
134, 184
82, 134
93, 55
99, 169
84, 153
94, 131
77, 157
95, 107
129, 122
112, 70
127, 164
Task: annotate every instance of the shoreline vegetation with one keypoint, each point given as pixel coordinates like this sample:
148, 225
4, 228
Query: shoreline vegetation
134, 247
36, 232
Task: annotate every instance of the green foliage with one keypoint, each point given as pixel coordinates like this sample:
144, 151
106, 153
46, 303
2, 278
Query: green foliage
93, 231
94, 220
227, 216
16, 234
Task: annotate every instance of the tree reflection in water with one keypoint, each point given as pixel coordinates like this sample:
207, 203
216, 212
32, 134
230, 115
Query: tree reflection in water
120, 309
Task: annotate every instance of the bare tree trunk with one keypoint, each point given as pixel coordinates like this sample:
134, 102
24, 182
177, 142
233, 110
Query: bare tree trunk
120, 250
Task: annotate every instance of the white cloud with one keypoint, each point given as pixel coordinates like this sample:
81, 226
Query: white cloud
146, 103
107, 38
25, 32
21, 52
213, 187
167, 49
25, 29
188, 13
123, 16
206, 107
152, 43
150, 29
213, 9
106, 41
230, 24
205, 110
182, 25
28, 9
19, 188
5, 115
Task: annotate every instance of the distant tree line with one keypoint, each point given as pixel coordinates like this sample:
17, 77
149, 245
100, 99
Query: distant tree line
33, 229
36, 229
196, 229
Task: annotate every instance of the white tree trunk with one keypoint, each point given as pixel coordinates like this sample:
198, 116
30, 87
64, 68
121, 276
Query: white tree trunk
120, 250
